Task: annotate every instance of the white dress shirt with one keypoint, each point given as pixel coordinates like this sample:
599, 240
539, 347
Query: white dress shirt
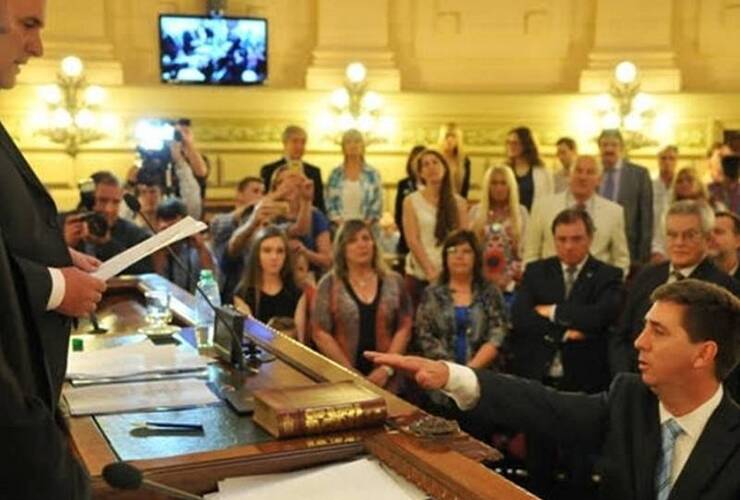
692, 424
58, 288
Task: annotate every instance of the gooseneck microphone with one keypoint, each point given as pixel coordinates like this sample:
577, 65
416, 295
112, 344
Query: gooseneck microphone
133, 204
123, 476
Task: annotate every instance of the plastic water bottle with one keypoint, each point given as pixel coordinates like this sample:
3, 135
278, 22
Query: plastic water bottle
204, 314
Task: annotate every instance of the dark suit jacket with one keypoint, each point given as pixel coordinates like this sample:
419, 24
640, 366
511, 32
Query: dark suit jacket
636, 197
312, 172
592, 306
35, 458
624, 425
623, 356
405, 187
28, 220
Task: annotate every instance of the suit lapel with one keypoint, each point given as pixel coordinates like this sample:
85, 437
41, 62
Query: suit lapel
647, 448
584, 277
719, 440
554, 290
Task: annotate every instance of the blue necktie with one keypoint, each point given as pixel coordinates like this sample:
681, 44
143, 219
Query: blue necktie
670, 430
609, 184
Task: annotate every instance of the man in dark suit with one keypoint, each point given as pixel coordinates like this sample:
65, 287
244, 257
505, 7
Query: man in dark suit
688, 229
561, 316
670, 432
629, 185
294, 144
725, 243
47, 285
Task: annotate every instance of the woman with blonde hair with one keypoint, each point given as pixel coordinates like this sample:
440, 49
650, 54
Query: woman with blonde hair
686, 185
360, 305
451, 146
429, 214
354, 189
499, 222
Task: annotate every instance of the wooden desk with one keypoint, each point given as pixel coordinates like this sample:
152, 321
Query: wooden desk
435, 467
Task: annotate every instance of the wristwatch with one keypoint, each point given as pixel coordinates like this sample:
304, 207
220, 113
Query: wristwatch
390, 371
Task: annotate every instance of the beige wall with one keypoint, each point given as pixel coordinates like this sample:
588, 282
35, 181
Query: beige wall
487, 64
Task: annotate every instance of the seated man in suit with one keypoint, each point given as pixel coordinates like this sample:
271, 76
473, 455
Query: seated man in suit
609, 242
688, 229
725, 243
672, 430
117, 234
294, 144
561, 317
629, 185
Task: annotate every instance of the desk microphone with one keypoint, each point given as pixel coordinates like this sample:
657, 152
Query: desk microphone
133, 204
123, 476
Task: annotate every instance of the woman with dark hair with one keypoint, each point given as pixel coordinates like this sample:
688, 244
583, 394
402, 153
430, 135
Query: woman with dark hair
428, 216
533, 179
267, 288
462, 318
451, 146
360, 306
405, 187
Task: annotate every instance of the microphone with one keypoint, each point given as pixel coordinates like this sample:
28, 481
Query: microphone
133, 204
123, 476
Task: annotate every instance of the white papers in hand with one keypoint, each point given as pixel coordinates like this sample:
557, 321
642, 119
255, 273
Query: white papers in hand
138, 396
363, 479
132, 359
183, 229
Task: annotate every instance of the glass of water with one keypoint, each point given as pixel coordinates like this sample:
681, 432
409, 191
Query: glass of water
158, 313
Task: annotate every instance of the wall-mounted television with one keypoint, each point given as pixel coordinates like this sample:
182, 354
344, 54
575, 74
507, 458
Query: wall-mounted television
213, 50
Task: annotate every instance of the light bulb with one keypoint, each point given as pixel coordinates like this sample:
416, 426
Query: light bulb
85, 119
356, 72
365, 123
51, 94
604, 102
340, 98
625, 72
633, 122
72, 66
94, 95
642, 102
61, 118
372, 101
611, 121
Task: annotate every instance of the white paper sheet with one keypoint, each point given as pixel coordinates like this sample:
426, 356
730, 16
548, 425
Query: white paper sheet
363, 479
138, 396
133, 359
183, 229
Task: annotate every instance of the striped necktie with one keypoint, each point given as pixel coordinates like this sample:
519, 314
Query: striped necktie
609, 185
670, 430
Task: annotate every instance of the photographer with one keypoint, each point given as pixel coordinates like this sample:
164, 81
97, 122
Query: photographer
149, 190
191, 168
103, 233
274, 208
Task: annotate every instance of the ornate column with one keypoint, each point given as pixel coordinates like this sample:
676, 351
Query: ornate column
352, 30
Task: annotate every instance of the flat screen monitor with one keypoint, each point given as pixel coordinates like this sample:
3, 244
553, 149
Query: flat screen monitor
213, 50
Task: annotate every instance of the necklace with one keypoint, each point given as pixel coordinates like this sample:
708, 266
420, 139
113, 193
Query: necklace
362, 282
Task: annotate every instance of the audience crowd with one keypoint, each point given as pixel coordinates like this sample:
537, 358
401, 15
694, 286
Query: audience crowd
548, 275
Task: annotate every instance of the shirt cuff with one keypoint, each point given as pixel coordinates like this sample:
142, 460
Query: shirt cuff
58, 288
462, 386
552, 313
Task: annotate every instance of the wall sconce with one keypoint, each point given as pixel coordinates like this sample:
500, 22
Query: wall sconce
70, 111
632, 112
352, 106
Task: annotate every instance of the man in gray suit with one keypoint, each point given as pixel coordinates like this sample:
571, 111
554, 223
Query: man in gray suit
629, 185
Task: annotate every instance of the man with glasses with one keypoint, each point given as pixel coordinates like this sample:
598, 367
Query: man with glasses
688, 230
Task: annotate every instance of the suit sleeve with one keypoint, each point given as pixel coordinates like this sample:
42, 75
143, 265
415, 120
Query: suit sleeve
569, 418
596, 317
525, 319
646, 215
37, 276
620, 252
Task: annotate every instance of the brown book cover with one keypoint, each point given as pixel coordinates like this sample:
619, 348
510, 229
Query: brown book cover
318, 408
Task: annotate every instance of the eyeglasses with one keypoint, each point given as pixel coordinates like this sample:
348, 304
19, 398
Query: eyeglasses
459, 250
692, 235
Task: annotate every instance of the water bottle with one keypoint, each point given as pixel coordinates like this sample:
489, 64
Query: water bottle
204, 313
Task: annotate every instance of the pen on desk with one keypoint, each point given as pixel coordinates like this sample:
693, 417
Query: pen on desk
175, 425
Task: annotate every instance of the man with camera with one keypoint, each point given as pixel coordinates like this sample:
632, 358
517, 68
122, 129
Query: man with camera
102, 233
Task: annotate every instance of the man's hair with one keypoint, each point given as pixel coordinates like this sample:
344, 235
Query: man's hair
735, 219
105, 177
567, 142
150, 177
693, 207
571, 216
710, 313
171, 208
611, 133
669, 148
292, 130
247, 181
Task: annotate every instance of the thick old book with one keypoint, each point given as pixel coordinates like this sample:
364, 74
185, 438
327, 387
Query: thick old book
318, 408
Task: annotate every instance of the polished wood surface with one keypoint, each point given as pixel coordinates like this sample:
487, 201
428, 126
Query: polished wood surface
433, 466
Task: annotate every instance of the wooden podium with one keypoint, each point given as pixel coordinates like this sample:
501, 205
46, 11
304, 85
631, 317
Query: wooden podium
443, 470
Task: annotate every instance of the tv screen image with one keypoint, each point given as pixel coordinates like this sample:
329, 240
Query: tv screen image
213, 50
